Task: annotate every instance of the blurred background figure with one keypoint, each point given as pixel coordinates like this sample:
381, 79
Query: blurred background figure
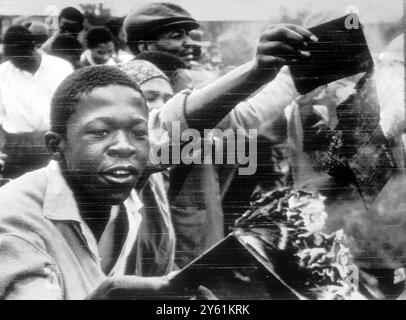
25, 97
153, 83
201, 72
70, 22
115, 26
100, 48
68, 48
40, 30
197, 43
234, 48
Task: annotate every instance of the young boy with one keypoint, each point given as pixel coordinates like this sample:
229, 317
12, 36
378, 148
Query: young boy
99, 41
65, 228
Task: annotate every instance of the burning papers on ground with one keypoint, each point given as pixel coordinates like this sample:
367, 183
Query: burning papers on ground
284, 228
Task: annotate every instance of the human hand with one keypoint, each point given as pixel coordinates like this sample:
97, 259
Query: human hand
283, 44
133, 287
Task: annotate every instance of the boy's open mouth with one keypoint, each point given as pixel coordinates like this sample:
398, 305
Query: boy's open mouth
121, 175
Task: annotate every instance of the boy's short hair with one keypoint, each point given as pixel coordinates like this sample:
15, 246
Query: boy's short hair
68, 94
98, 35
16, 39
73, 14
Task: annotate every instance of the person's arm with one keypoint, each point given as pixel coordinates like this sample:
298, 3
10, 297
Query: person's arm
147, 288
132, 287
266, 107
278, 46
27, 272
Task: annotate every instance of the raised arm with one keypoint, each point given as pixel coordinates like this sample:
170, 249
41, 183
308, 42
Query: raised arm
279, 45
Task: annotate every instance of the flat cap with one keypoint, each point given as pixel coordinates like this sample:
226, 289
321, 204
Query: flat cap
144, 22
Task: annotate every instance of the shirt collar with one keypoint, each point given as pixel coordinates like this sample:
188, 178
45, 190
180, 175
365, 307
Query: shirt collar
60, 205
44, 60
59, 202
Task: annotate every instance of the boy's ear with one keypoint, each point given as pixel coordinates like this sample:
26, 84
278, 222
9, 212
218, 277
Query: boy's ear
55, 144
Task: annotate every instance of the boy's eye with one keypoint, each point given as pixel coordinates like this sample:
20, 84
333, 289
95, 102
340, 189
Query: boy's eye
100, 132
140, 133
150, 96
150, 99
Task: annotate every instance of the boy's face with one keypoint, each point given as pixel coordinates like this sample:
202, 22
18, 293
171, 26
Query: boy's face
103, 52
107, 144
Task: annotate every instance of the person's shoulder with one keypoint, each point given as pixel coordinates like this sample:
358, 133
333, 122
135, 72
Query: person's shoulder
5, 67
53, 59
57, 62
23, 196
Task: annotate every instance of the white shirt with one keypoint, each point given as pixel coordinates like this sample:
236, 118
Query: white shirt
87, 57
25, 98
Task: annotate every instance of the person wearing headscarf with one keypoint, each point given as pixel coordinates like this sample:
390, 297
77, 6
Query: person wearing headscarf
155, 254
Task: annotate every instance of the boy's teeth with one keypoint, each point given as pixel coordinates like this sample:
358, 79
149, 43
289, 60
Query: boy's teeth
121, 172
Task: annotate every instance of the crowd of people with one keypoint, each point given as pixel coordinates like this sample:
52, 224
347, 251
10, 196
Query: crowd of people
84, 212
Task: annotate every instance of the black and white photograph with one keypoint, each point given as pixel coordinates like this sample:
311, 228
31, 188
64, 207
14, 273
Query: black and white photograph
228, 150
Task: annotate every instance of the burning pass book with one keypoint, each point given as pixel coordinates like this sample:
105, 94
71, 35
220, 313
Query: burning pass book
342, 51
276, 251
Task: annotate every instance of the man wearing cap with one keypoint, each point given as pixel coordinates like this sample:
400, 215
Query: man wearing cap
164, 28
160, 27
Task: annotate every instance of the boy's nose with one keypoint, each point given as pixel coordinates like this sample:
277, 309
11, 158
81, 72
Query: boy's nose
121, 146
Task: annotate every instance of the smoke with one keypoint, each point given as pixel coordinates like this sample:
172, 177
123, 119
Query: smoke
377, 236
389, 77
238, 42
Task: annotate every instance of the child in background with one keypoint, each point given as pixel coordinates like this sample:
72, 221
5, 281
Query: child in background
99, 41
